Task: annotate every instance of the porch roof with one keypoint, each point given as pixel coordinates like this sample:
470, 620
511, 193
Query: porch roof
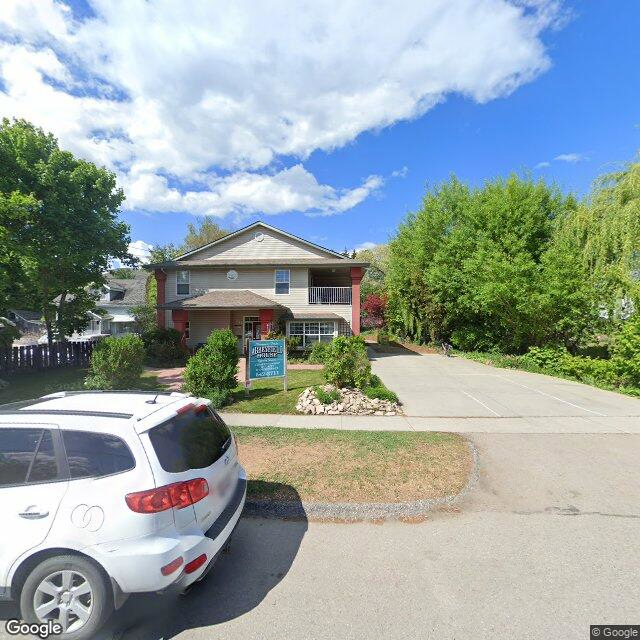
223, 299
319, 315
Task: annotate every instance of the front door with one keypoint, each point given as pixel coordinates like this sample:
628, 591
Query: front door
252, 330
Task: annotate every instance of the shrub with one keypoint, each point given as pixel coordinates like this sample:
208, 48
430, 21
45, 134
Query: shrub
159, 334
346, 363
562, 363
164, 347
626, 352
550, 359
327, 397
219, 397
382, 393
383, 336
116, 363
293, 343
214, 366
318, 352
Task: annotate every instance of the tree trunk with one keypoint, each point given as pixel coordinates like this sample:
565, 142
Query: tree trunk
47, 324
60, 332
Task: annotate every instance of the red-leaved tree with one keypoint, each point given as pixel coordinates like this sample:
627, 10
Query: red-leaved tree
373, 309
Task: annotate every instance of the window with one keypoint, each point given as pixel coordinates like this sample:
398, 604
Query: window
92, 455
45, 467
187, 330
26, 456
193, 440
310, 332
283, 277
183, 279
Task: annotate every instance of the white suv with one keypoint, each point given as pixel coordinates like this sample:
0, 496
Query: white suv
105, 494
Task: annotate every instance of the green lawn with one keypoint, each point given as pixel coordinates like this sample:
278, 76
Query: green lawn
39, 383
268, 396
327, 465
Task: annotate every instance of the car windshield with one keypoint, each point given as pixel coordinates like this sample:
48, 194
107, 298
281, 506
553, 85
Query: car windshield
193, 440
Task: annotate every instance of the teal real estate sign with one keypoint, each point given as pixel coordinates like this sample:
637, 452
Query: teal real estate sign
267, 359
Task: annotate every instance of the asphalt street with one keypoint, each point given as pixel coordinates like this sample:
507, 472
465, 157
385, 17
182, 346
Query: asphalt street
546, 544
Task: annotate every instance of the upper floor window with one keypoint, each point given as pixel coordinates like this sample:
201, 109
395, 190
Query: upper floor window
283, 276
183, 278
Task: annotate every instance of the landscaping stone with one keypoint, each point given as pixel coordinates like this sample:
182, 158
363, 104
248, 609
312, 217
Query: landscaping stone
351, 402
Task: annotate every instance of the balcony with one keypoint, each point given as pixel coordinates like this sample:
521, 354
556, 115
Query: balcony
329, 295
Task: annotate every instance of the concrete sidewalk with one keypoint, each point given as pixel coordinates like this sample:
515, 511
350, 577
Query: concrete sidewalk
538, 424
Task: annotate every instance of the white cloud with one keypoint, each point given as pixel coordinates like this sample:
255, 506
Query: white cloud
542, 165
198, 111
365, 245
400, 173
571, 157
293, 189
141, 250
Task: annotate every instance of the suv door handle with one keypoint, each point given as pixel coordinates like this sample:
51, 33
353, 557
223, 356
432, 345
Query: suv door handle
33, 515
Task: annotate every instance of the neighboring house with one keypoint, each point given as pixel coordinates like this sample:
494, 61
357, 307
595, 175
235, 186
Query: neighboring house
256, 280
117, 299
26, 321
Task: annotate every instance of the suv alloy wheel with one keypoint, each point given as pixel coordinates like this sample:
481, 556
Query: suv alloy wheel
69, 590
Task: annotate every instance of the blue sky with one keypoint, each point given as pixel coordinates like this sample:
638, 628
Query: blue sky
329, 135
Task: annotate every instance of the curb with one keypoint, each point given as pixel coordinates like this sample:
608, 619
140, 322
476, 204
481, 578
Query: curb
354, 512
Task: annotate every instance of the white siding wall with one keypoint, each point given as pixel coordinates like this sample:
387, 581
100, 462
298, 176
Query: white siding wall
273, 245
262, 282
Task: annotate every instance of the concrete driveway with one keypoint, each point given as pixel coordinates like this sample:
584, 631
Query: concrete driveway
545, 545
453, 391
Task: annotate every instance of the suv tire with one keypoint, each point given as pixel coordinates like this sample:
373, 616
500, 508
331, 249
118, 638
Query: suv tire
75, 583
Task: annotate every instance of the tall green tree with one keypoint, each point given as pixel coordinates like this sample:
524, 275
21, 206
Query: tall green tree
202, 232
71, 227
373, 280
606, 227
471, 266
198, 234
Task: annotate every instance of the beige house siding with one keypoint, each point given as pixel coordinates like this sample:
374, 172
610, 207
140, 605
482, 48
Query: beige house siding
262, 282
245, 245
202, 323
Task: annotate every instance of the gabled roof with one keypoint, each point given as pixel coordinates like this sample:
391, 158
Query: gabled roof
135, 290
211, 263
255, 225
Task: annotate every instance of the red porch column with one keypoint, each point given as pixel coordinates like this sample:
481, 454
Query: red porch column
266, 321
161, 280
356, 278
180, 317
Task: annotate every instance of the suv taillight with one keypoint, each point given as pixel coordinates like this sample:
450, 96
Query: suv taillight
177, 495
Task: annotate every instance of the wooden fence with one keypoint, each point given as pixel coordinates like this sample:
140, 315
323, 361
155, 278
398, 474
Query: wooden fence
40, 356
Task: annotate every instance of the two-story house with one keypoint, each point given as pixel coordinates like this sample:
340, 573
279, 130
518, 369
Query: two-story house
256, 280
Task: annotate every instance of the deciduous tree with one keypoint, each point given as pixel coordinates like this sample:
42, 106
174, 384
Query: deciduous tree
70, 228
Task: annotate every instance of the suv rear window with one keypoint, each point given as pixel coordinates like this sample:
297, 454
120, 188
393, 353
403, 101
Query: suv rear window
190, 441
92, 455
26, 456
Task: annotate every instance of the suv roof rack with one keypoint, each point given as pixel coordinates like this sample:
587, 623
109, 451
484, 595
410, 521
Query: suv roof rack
150, 392
65, 412
30, 407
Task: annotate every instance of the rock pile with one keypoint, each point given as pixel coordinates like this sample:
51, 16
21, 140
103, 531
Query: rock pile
352, 402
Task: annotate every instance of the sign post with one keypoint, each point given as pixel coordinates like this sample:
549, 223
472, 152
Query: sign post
267, 359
